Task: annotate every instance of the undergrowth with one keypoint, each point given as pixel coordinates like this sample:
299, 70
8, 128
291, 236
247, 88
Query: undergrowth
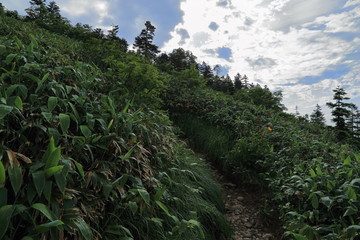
81, 157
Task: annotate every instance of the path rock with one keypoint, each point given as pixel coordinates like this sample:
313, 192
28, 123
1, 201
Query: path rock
242, 214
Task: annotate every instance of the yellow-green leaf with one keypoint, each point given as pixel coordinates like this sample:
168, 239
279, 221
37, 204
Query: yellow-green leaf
52, 170
44, 210
49, 150
2, 174
19, 103
64, 122
53, 159
85, 130
163, 207
80, 169
47, 226
52, 102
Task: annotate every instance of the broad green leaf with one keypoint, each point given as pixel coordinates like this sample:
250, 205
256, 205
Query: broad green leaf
350, 193
64, 122
52, 170
159, 193
312, 173
47, 116
18, 103
2, 49
110, 124
355, 181
5, 110
44, 210
330, 185
318, 171
79, 168
45, 77
47, 190
54, 158
133, 207
16, 178
126, 107
107, 190
2, 175
5, 216
60, 179
52, 103
119, 230
84, 228
326, 201
198, 225
347, 161
3, 196
357, 157
30, 193
85, 130
10, 58
47, 226
51, 148
27, 238
314, 200
163, 207
144, 195
75, 112
351, 230
299, 237
39, 181
350, 211
121, 180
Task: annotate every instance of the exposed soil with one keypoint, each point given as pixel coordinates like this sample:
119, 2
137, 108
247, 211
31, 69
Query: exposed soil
242, 213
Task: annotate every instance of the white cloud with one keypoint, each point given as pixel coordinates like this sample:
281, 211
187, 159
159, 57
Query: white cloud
97, 9
352, 3
278, 42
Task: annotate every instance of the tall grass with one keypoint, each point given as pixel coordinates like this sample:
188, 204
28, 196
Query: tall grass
204, 136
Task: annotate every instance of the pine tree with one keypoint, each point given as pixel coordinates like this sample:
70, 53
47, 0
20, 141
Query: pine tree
37, 10
245, 81
238, 82
54, 10
317, 115
112, 33
144, 44
340, 109
206, 70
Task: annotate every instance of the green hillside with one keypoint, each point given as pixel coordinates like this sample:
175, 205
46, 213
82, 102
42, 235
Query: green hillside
91, 143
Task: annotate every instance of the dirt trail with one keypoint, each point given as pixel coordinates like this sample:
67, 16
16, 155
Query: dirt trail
242, 213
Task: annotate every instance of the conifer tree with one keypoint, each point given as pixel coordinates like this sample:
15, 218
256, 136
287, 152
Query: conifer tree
206, 70
238, 82
143, 42
37, 10
340, 110
317, 115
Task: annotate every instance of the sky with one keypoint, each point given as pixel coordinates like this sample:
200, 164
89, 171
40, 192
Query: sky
306, 48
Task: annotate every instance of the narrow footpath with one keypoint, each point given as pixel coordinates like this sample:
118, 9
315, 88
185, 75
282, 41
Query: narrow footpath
242, 213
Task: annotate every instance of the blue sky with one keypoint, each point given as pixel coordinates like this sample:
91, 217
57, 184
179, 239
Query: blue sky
305, 48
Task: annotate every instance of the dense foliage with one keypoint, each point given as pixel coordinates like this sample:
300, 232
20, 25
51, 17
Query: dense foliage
87, 150
85, 153
311, 178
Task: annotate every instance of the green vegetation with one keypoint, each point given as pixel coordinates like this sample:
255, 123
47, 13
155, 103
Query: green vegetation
88, 151
309, 173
